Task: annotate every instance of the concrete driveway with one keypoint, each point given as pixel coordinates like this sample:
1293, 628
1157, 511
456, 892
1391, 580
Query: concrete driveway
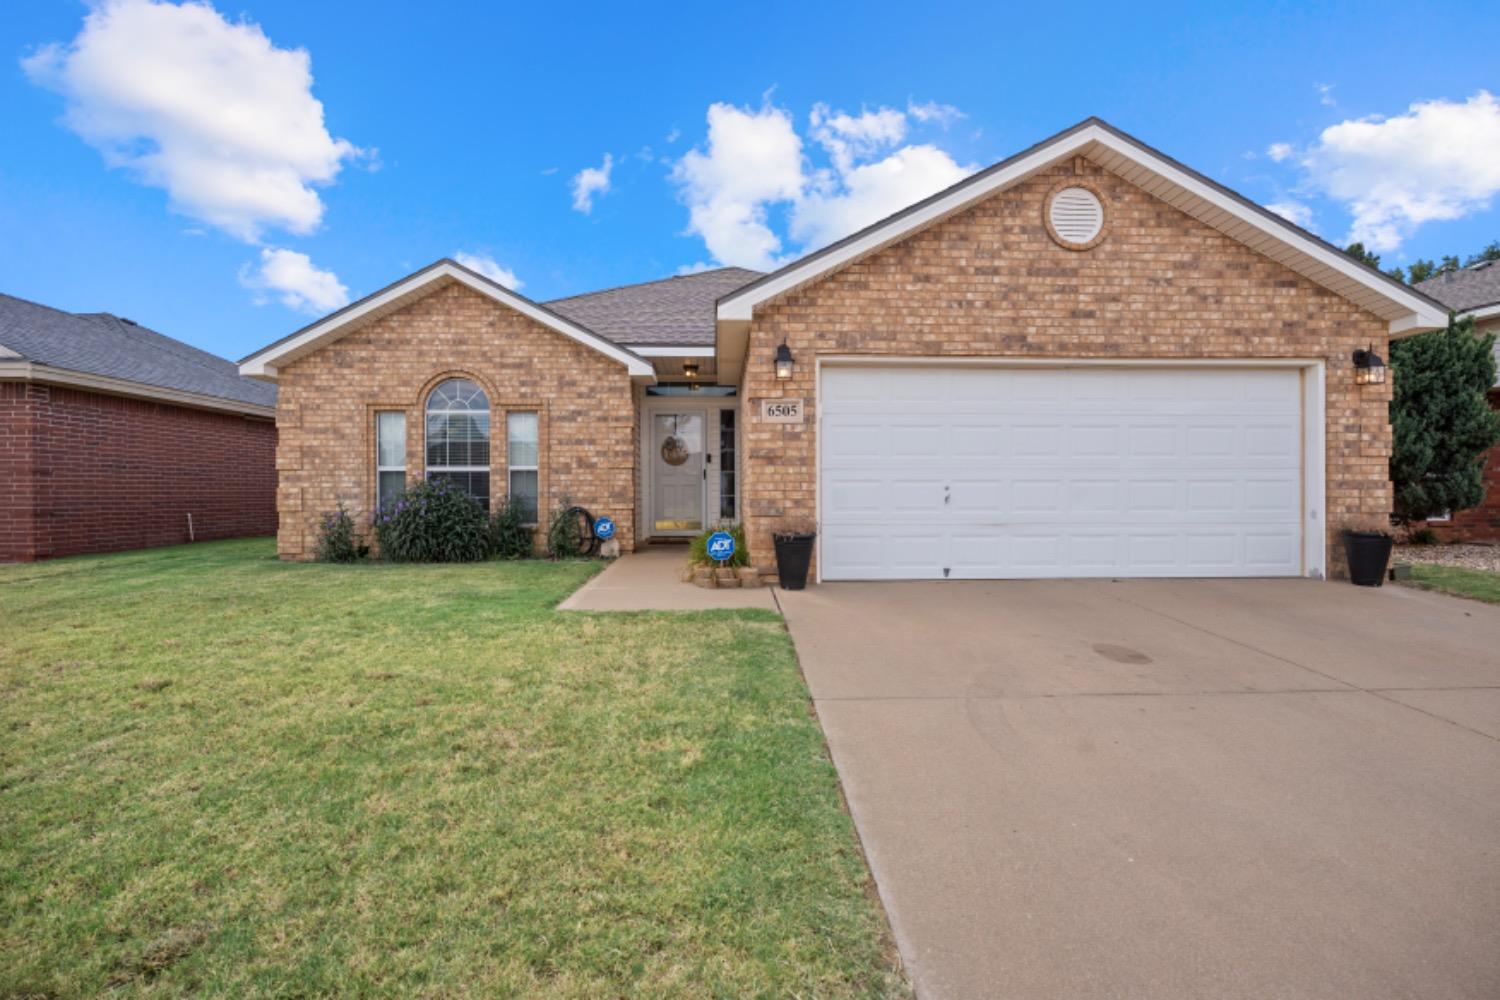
1159, 789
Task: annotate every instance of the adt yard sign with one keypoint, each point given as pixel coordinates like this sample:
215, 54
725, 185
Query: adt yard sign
720, 546
604, 528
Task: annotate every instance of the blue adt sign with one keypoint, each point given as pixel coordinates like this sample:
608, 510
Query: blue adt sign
720, 546
604, 528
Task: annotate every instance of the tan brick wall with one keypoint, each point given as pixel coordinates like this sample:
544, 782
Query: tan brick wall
328, 400
990, 282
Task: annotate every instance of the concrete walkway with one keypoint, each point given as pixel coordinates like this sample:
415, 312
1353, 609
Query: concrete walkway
1170, 789
648, 580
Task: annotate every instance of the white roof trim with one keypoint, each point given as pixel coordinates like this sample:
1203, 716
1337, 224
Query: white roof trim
1483, 312
263, 363
1407, 312
30, 371
669, 351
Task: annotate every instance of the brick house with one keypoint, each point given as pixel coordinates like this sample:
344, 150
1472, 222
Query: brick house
115, 437
1474, 291
1086, 360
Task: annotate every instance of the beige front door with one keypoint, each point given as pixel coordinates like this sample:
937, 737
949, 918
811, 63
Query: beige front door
677, 480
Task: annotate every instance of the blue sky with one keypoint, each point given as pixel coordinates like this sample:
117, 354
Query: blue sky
173, 165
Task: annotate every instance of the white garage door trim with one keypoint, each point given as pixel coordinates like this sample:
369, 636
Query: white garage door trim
1313, 432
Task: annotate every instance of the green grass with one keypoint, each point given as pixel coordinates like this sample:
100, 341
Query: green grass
1474, 583
225, 775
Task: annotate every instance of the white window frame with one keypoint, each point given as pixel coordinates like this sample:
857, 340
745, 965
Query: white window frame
389, 468
489, 414
511, 467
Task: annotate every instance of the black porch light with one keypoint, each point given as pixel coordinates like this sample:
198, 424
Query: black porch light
784, 362
1369, 369
690, 369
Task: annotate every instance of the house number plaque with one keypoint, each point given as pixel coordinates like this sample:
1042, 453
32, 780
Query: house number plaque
781, 411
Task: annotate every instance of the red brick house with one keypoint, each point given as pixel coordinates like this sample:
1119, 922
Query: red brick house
115, 437
1086, 360
1474, 291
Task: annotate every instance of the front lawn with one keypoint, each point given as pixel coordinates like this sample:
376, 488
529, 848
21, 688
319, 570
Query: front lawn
225, 775
1478, 584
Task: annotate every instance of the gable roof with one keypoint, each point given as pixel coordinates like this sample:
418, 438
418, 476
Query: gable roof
668, 312
263, 363
1475, 288
104, 351
1406, 310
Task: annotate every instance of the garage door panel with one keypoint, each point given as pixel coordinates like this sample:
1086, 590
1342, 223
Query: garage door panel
1057, 472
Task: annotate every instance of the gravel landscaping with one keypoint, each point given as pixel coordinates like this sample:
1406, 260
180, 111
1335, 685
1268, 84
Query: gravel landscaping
1481, 557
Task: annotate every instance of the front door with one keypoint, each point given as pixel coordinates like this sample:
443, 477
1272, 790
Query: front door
677, 480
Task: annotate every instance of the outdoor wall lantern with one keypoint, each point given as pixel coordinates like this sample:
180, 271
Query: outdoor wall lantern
690, 369
784, 362
1368, 368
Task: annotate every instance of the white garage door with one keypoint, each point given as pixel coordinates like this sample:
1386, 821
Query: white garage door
971, 472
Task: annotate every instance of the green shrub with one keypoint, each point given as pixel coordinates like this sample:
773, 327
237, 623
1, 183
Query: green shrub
565, 538
698, 549
337, 542
510, 538
1423, 536
433, 521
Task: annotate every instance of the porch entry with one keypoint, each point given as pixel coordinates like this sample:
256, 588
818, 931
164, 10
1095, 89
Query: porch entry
678, 472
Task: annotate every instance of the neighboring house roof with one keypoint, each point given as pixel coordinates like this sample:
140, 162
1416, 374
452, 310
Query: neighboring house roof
668, 312
106, 352
263, 363
1407, 311
1472, 289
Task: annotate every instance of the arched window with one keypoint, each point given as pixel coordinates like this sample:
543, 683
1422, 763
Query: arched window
458, 437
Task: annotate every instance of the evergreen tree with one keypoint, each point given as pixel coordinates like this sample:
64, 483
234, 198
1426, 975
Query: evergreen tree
1442, 423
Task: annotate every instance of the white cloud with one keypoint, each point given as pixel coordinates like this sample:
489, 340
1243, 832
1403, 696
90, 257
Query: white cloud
1279, 151
931, 112
869, 192
487, 266
207, 109
849, 137
589, 183
1325, 94
753, 158
1436, 162
292, 278
1294, 212
755, 161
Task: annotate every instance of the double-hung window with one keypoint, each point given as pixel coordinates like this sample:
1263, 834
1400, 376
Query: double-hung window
390, 456
458, 437
521, 459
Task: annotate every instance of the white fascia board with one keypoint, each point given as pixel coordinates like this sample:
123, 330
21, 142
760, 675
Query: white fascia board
671, 351
27, 371
1483, 312
263, 363
740, 306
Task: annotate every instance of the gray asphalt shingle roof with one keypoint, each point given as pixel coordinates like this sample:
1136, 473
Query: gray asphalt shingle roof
104, 344
672, 311
1467, 288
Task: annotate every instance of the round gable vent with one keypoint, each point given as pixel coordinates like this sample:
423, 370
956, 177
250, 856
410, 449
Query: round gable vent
1075, 217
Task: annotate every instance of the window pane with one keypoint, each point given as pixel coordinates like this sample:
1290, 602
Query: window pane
521, 443
390, 484
458, 432
523, 487
476, 484
390, 439
726, 465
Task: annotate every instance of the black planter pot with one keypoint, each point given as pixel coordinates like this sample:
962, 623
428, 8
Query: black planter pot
1369, 554
793, 556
